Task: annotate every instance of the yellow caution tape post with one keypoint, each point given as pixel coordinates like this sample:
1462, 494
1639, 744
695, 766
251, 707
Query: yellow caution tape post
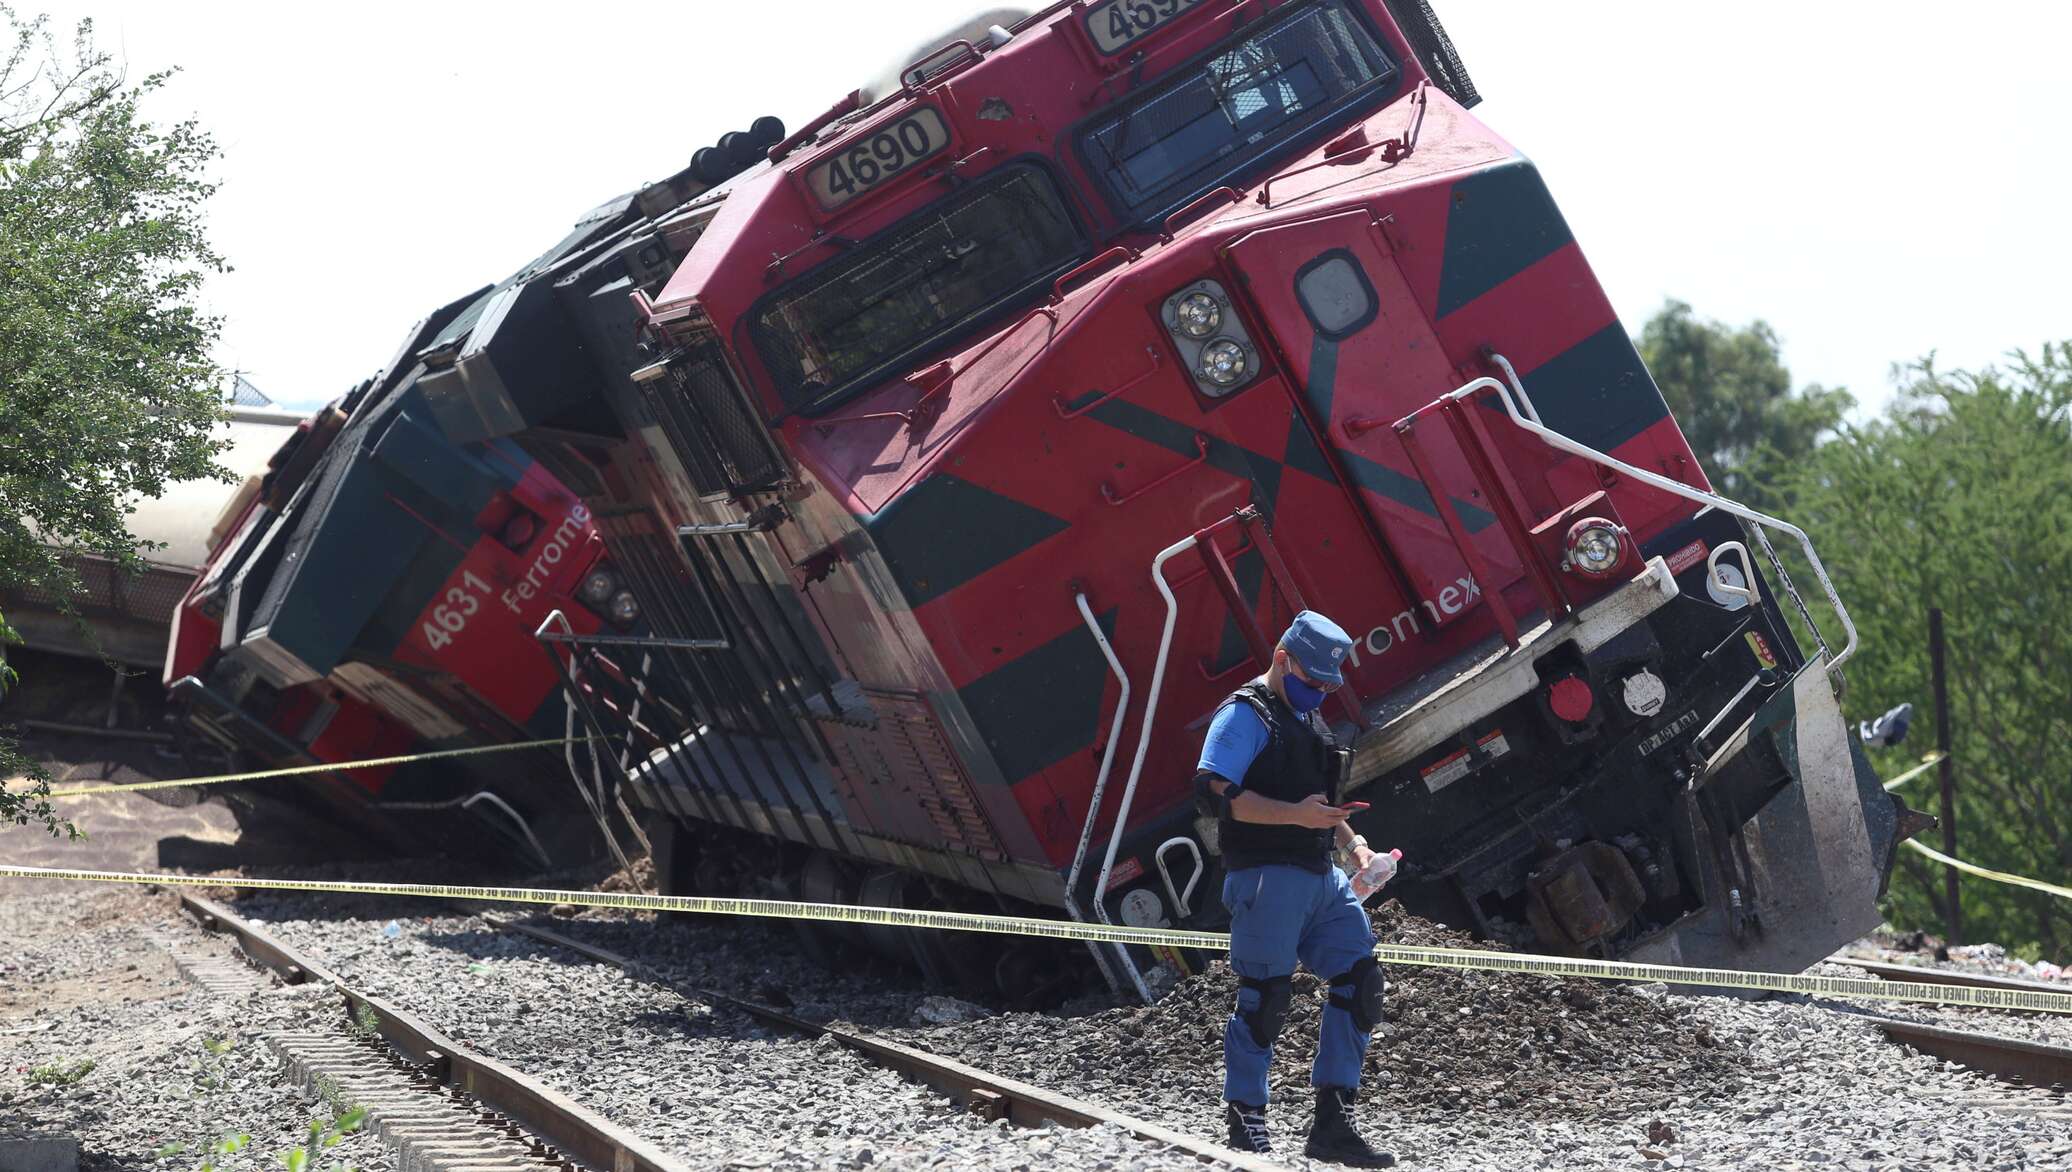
1989, 873
1927, 763
303, 770
1465, 959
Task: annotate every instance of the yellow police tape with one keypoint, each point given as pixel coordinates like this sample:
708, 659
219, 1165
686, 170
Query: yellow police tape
295, 770
1989, 873
1927, 763
1462, 959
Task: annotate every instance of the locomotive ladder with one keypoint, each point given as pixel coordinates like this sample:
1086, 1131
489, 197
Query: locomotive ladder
1258, 641
724, 714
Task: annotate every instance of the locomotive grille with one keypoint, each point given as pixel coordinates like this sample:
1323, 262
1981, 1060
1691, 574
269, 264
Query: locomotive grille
1434, 49
709, 422
906, 752
646, 554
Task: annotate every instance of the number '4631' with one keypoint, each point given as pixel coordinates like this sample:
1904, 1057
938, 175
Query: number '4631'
450, 617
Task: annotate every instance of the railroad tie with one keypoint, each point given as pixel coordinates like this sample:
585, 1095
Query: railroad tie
224, 976
2021, 1102
428, 1131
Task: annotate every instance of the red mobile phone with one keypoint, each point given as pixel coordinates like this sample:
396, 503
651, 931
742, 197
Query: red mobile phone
1353, 807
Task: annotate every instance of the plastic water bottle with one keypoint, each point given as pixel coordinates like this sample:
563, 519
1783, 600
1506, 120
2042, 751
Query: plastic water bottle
1376, 874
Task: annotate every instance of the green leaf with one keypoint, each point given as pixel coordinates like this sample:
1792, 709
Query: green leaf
102, 253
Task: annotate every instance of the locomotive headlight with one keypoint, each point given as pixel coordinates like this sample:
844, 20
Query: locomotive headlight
624, 608
1595, 547
1198, 314
597, 588
1224, 363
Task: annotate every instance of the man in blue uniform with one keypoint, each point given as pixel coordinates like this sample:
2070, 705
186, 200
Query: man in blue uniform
1269, 772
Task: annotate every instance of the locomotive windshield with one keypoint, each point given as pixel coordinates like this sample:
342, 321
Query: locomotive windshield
830, 332
1156, 152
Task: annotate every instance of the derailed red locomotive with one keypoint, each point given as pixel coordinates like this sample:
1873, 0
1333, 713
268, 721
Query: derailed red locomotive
966, 452
376, 594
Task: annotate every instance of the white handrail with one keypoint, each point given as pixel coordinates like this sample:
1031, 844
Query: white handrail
1182, 900
1747, 589
1165, 647
1518, 405
594, 801
1093, 805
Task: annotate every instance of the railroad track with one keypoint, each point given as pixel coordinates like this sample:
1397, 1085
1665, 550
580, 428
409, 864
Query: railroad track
406, 1056
2038, 1074
444, 1107
988, 1095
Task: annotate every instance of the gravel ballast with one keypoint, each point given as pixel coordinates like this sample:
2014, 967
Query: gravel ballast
709, 1085
1474, 1071
1482, 1070
103, 1039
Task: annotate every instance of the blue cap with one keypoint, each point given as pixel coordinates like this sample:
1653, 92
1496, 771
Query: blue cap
1318, 645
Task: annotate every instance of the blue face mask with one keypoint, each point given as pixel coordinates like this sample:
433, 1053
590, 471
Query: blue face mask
1303, 696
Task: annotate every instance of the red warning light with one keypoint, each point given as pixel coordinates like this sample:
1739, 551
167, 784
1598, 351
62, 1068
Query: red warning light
1571, 699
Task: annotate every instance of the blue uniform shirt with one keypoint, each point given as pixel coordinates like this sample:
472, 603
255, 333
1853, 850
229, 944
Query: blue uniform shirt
1235, 738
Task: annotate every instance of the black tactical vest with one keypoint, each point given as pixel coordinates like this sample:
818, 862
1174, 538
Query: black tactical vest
1298, 760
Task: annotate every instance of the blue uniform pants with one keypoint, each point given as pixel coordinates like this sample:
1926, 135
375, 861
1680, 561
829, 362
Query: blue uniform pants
1279, 914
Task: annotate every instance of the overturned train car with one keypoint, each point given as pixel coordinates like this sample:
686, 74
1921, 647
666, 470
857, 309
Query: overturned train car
965, 452
380, 595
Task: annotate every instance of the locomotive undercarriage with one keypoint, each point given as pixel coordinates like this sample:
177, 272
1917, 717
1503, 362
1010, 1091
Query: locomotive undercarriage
1649, 837
488, 810
696, 858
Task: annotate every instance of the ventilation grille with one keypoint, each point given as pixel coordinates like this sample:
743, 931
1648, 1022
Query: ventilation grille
906, 751
719, 439
1434, 49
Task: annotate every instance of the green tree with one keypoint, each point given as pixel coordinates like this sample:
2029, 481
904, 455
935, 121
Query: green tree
1734, 400
1960, 496
107, 391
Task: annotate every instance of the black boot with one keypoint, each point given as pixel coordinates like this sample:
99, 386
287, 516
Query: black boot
1333, 1137
1247, 1128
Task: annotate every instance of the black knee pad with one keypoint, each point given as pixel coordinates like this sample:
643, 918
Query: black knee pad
1265, 1022
1358, 990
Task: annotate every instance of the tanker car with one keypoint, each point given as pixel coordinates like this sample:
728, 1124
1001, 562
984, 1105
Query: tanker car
377, 595
968, 448
121, 619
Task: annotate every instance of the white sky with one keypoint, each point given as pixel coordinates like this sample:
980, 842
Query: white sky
1809, 163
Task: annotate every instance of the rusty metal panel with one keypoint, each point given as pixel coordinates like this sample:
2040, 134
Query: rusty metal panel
903, 773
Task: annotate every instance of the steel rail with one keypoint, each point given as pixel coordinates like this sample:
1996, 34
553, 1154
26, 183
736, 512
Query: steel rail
1888, 971
989, 1095
2037, 1064
2015, 1059
578, 1132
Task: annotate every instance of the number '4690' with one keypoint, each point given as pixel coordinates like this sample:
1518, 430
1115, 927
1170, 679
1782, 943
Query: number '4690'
872, 159
450, 617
